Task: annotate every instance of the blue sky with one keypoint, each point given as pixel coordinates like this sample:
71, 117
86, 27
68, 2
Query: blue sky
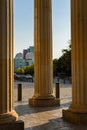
24, 25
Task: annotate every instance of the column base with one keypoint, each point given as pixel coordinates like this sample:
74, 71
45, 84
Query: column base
8, 117
73, 117
44, 102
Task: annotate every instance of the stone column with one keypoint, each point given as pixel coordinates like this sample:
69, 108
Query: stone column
7, 114
77, 112
43, 89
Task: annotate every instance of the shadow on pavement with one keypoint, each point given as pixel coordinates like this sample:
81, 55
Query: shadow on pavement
57, 124
26, 109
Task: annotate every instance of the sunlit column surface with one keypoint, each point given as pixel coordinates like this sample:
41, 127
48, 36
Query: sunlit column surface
79, 61
7, 114
43, 88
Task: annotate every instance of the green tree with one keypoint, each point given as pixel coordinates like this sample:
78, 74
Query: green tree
20, 71
55, 67
29, 70
64, 62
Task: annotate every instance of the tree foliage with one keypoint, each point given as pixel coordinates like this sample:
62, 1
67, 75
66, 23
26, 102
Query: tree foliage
29, 69
55, 67
20, 71
63, 64
26, 70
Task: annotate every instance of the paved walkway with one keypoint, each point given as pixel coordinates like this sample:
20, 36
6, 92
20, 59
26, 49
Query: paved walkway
44, 118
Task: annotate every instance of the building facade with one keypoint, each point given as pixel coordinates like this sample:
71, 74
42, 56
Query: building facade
25, 59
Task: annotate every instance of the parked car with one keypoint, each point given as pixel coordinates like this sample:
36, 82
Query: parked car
27, 78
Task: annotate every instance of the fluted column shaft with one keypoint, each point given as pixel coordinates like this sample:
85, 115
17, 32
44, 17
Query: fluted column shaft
43, 48
7, 114
79, 55
43, 88
77, 112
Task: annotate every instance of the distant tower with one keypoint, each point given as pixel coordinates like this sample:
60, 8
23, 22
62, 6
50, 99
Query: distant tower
31, 49
24, 53
30, 56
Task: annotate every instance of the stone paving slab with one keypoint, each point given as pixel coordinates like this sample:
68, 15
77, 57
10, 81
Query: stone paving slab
44, 118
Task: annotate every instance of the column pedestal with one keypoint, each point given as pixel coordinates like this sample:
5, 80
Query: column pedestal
77, 111
44, 102
8, 117
17, 125
78, 118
